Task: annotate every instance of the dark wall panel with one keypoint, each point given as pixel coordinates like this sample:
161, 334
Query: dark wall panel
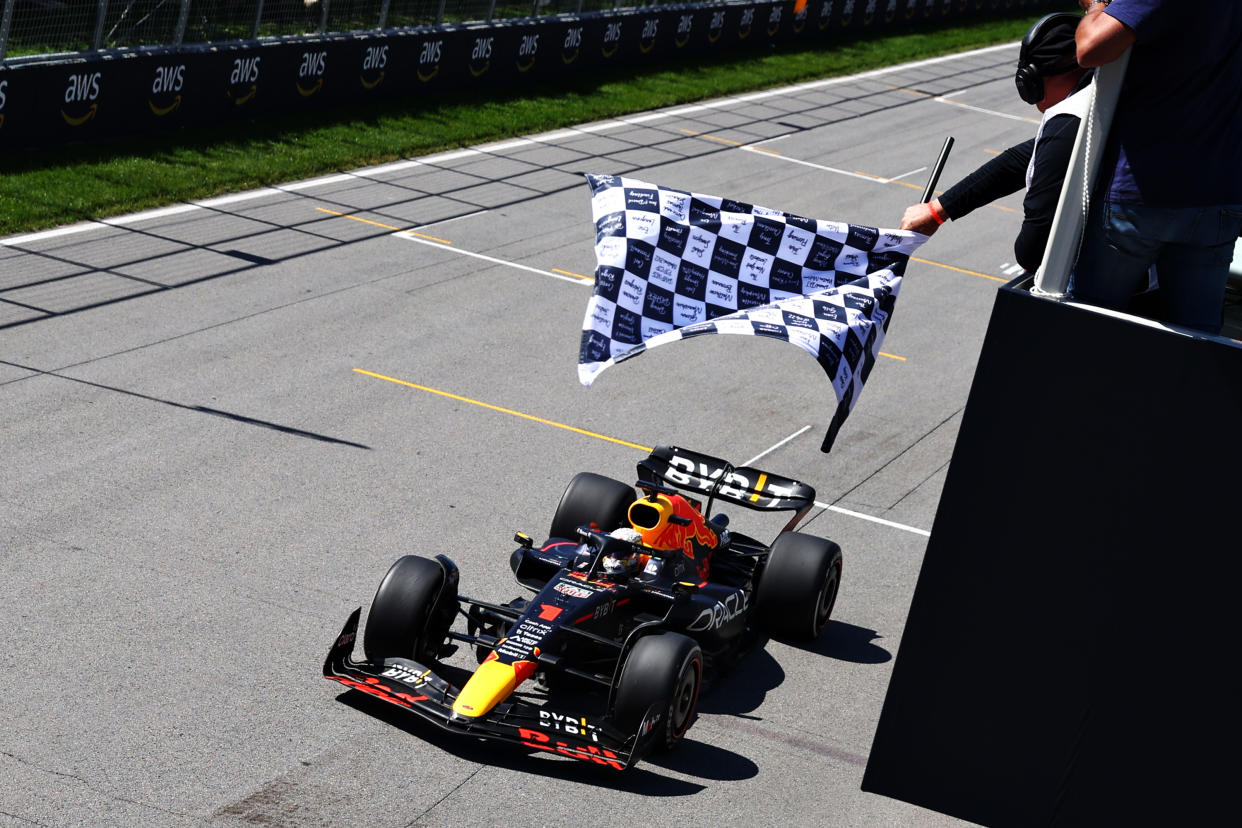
1068, 656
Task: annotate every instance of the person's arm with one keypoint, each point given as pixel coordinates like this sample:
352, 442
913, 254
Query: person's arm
1003, 175
1040, 205
1100, 37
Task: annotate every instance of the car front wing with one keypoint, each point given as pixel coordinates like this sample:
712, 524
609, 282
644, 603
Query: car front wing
416, 687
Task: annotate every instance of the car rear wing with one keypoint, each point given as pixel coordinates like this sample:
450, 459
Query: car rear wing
692, 471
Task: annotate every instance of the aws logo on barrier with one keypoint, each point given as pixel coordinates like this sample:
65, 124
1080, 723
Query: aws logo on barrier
374, 61
612, 39
647, 40
310, 73
869, 12
429, 59
166, 89
81, 98
244, 80
847, 13
745, 22
684, 25
774, 20
481, 56
528, 50
825, 14
716, 27
571, 46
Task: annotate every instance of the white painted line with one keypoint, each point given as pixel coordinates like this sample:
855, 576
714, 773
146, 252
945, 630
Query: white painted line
405, 234
873, 179
770, 140
763, 454
874, 519
903, 175
1013, 270
453, 219
1023, 118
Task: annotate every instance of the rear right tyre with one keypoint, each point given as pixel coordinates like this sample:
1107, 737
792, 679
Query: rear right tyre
798, 587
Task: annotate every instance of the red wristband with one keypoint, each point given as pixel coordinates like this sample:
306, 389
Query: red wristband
937, 214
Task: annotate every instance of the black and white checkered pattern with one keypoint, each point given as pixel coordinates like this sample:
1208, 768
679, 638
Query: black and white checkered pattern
674, 264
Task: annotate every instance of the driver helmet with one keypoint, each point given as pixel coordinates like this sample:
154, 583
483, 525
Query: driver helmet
626, 559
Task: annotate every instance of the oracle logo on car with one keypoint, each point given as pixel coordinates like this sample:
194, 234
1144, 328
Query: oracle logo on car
722, 613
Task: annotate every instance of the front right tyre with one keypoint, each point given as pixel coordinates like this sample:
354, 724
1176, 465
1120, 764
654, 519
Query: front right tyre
404, 620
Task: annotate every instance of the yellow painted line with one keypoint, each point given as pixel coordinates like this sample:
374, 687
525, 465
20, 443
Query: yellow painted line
575, 275
707, 137
765, 149
914, 92
959, 269
893, 356
505, 410
385, 226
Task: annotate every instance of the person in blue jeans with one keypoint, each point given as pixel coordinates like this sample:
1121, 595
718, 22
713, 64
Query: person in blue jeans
1169, 190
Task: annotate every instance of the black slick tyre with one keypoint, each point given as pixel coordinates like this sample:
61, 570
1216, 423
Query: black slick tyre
592, 498
798, 587
401, 621
663, 669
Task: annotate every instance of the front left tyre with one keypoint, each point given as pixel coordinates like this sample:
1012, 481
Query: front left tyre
592, 498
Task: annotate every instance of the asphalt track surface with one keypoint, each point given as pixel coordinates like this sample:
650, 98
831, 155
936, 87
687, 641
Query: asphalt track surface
223, 421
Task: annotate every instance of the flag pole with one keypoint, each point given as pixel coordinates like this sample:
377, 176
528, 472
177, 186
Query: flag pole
939, 168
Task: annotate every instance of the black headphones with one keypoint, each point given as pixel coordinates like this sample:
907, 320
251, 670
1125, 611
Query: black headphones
1029, 79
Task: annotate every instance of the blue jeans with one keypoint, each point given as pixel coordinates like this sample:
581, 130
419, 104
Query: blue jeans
1191, 247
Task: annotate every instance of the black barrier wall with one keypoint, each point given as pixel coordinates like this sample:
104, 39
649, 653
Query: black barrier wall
127, 92
1069, 654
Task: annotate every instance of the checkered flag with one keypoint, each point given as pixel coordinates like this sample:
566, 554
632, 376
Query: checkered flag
674, 264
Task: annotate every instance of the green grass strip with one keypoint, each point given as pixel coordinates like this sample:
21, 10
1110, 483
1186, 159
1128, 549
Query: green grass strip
42, 188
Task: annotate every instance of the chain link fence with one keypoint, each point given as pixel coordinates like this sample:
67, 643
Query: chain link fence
55, 27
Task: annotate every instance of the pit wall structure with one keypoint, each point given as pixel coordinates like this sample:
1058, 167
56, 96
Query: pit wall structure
92, 96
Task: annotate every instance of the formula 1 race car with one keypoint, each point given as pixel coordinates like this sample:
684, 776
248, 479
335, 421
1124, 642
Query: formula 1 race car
637, 598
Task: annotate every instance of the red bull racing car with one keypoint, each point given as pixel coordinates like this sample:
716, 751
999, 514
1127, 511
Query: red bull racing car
637, 594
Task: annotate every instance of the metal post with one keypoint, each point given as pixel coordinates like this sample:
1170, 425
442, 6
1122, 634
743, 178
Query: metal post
182, 20
930, 189
491, 8
383, 15
323, 18
5, 22
440, 13
1053, 275
258, 19
100, 15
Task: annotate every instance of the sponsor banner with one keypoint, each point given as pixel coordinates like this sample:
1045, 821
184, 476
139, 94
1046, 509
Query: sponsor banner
113, 94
